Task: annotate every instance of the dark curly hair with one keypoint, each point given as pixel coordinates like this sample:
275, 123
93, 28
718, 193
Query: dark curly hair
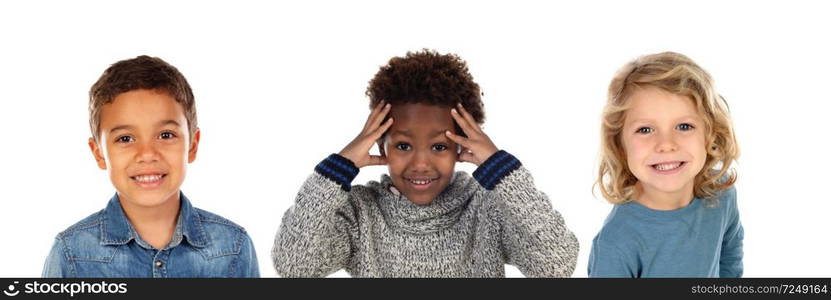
430, 78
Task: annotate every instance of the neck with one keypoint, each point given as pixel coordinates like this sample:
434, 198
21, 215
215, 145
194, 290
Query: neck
659, 200
155, 225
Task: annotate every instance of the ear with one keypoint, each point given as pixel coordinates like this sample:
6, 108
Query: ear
194, 145
96, 153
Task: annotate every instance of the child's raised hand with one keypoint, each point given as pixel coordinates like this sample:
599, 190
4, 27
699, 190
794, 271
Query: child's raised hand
477, 147
358, 150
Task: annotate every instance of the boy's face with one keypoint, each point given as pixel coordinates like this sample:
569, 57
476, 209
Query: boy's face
420, 156
663, 137
145, 147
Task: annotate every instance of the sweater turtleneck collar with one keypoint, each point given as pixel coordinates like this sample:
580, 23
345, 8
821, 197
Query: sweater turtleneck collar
444, 211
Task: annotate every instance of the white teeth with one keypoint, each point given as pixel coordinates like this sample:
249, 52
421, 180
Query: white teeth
147, 178
668, 166
421, 182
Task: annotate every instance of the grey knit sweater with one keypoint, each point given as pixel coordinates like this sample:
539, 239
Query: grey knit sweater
470, 230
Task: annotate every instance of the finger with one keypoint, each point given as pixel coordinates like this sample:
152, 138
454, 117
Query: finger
372, 114
379, 132
365, 142
377, 160
458, 139
469, 117
462, 150
462, 122
467, 157
379, 118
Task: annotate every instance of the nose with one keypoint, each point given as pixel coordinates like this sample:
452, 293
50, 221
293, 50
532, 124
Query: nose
666, 143
421, 160
147, 152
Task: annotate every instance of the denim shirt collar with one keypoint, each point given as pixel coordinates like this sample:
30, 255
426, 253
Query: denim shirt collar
117, 230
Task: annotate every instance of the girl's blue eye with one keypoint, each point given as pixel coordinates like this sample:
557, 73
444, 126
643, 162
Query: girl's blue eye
684, 126
124, 139
644, 130
439, 147
167, 135
403, 146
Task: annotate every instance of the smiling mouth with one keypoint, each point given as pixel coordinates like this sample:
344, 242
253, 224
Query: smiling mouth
668, 166
148, 180
420, 183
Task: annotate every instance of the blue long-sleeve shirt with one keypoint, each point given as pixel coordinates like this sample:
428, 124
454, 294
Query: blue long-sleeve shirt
702, 239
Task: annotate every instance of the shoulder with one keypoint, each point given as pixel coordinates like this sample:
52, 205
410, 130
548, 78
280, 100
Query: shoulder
728, 194
88, 227
616, 247
84, 240
365, 192
727, 202
225, 237
617, 239
726, 199
362, 195
618, 227
214, 222
322, 186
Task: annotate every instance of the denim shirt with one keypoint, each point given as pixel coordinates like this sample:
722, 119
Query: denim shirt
105, 244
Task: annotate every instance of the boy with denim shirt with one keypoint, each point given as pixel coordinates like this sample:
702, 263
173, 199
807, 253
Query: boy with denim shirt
144, 133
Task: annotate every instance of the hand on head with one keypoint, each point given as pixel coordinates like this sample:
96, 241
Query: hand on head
477, 147
358, 150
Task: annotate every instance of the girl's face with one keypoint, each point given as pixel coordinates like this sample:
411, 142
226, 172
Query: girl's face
420, 156
663, 137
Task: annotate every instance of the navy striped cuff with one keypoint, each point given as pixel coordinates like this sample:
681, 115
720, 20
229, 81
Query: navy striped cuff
496, 167
339, 169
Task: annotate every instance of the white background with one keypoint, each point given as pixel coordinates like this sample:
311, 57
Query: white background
279, 86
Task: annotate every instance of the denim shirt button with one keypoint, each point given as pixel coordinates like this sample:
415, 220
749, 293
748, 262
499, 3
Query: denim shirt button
159, 264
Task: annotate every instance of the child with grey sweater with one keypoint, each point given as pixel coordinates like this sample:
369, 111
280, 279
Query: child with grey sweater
423, 219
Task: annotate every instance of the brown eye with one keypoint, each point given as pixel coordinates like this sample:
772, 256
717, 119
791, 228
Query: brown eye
403, 147
644, 130
439, 147
124, 139
167, 135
